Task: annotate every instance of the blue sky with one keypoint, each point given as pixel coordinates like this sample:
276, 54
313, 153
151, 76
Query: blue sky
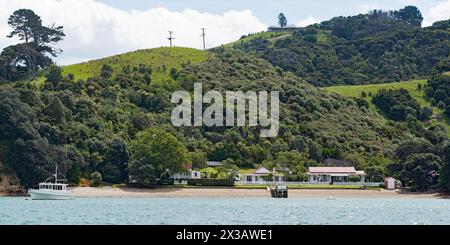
99, 28
266, 11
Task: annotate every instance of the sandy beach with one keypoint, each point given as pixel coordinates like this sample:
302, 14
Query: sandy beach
233, 192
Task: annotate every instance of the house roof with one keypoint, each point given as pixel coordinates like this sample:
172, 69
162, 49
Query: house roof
262, 170
284, 27
332, 170
188, 166
214, 163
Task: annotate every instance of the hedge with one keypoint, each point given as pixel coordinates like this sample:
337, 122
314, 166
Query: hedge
211, 182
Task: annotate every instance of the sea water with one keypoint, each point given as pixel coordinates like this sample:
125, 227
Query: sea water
227, 211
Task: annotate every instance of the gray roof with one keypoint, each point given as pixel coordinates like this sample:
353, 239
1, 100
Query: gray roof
288, 26
214, 163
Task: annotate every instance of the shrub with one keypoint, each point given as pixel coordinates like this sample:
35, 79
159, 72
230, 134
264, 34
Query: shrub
106, 71
96, 178
54, 75
211, 182
84, 182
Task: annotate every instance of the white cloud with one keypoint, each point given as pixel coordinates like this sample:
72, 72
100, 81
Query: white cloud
96, 30
308, 21
365, 8
439, 12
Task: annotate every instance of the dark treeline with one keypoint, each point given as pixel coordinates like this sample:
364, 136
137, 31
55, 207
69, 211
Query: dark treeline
399, 105
438, 90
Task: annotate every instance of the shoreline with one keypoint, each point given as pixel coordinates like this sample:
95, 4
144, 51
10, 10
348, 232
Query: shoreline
218, 192
244, 193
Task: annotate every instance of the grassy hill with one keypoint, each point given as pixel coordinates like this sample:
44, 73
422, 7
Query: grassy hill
266, 35
356, 90
411, 86
161, 61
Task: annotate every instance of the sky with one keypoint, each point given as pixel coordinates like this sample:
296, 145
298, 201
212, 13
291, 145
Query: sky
100, 28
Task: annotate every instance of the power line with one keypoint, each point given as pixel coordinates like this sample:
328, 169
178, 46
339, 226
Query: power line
203, 35
170, 38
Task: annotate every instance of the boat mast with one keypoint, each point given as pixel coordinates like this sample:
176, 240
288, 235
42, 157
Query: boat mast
56, 174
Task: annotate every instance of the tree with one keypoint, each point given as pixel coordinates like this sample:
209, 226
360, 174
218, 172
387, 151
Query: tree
24, 23
444, 178
415, 146
106, 71
173, 73
54, 75
441, 105
295, 161
153, 153
425, 113
282, 21
96, 178
397, 104
418, 168
374, 173
18, 119
410, 14
114, 164
198, 159
28, 27
56, 111
34, 160
38, 40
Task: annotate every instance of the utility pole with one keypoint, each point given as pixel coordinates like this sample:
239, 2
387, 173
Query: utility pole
203, 35
170, 37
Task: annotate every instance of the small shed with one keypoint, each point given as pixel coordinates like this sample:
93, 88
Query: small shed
389, 183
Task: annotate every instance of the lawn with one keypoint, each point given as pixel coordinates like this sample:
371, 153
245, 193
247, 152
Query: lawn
161, 61
356, 90
411, 86
308, 186
268, 35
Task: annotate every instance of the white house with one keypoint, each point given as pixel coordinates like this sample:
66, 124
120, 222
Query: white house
187, 174
288, 28
262, 175
333, 174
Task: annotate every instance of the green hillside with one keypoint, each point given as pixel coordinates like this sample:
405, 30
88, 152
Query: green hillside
356, 90
93, 122
266, 35
372, 89
161, 60
356, 50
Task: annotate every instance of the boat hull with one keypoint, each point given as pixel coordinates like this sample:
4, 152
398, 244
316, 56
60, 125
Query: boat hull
50, 195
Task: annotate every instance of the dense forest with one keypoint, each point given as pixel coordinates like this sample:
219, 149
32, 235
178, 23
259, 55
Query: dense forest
116, 122
378, 47
399, 105
438, 90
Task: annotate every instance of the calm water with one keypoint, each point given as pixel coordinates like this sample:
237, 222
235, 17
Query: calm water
303, 211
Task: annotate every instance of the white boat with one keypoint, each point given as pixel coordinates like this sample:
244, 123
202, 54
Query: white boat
51, 191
